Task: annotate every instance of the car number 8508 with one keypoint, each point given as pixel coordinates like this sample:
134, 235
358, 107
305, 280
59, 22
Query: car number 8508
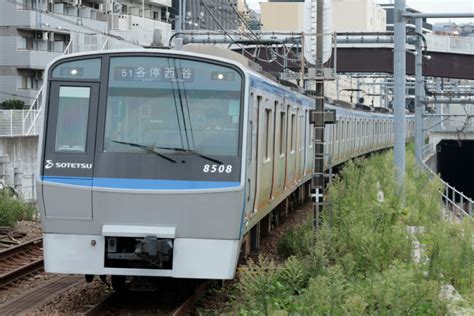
217, 168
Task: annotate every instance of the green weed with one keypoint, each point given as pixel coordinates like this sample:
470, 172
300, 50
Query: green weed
12, 209
360, 260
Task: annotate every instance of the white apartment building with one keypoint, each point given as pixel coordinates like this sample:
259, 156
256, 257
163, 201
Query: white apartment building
347, 16
33, 32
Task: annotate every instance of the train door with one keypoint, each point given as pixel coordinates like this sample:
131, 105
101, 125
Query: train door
279, 146
252, 146
343, 139
301, 144
297, 146
264, 153
337, 136
309, 152
69, 149
291, 147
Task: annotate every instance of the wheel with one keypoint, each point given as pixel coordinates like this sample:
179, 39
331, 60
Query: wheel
118, 282
89, 278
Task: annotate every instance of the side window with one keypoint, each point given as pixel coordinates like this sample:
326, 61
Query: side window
73, 112
308, 129
303, 131
292, 132
343, 124
282, 132
267, 126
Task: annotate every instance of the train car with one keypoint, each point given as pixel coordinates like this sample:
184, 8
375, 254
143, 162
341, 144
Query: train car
163, 163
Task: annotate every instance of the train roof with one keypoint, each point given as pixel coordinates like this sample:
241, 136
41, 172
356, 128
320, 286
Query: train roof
223, 55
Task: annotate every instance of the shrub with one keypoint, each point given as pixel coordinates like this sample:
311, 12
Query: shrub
296, 241
360, 260
13, 104
13, 209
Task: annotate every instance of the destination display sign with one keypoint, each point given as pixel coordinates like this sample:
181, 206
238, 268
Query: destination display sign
159, 74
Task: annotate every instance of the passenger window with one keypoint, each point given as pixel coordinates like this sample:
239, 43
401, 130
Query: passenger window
292, 131
302, 130
282, 132
343, 128
267, 118
73, 112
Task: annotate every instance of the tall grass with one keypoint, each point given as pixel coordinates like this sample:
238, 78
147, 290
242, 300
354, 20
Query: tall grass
360, 261
13, 209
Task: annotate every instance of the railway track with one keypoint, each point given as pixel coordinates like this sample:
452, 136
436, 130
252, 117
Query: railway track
181, 309
21, 260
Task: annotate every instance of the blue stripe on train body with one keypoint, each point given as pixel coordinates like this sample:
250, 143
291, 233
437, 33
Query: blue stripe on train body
140, 184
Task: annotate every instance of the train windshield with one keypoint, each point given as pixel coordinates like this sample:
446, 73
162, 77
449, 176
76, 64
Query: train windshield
170, 104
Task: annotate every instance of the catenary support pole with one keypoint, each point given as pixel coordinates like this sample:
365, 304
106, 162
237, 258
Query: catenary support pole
399, 70
318, 178
419, 108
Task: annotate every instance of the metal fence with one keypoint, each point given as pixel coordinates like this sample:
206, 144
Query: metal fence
456, 203
18, 123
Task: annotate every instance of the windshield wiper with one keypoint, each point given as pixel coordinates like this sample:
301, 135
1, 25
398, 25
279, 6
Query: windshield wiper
193, 152
147, 148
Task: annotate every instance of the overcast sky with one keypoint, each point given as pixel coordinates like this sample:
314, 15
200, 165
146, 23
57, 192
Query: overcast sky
426, 6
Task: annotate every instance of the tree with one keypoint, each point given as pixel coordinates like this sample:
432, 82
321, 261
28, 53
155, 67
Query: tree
12, 104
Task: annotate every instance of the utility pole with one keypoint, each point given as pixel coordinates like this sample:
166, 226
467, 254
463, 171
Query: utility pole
399, 71
419, 80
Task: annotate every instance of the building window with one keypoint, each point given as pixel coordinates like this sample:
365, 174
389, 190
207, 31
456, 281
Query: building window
156, 15
29, 43
27, 82
31, 79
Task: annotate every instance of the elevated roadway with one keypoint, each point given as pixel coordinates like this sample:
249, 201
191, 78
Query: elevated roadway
445, 56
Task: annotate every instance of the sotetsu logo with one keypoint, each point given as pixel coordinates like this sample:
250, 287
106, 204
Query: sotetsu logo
73, 165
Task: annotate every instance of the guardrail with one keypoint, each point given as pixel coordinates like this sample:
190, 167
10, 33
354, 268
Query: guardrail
32, 117
450, 44
454, 200
18, 123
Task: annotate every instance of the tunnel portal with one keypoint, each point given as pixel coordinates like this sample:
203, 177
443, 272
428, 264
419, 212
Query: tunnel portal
455, 163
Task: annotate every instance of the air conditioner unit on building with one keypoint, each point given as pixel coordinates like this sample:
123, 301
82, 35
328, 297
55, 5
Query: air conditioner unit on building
39, 74
39, 35
108, 8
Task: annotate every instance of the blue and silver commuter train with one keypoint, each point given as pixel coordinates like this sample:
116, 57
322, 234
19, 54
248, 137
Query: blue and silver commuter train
167, 163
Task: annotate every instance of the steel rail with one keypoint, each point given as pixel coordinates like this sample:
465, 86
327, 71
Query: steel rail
11, 276
21, 247
25, 269
97, 308
187, 305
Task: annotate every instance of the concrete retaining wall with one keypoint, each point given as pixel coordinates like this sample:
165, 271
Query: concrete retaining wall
18, 157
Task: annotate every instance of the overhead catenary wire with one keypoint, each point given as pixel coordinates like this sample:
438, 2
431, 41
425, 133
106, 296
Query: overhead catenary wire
18, 95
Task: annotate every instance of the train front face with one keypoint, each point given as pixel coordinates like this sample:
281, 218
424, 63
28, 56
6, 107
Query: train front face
141, 166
